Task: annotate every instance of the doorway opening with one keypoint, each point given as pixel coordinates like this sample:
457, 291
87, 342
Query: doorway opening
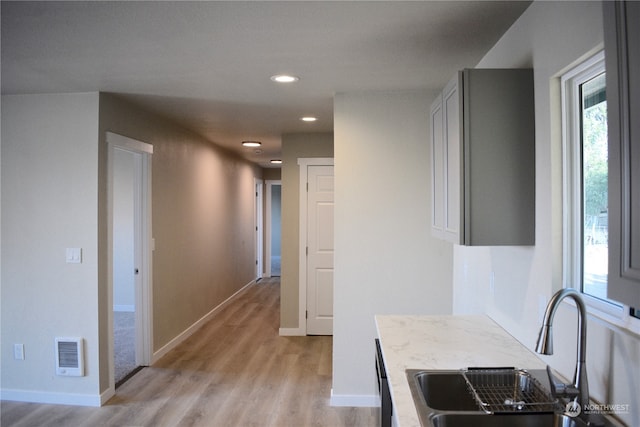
130, 259
259, 230
273, 231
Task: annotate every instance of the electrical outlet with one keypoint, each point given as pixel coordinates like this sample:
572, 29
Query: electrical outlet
18, 351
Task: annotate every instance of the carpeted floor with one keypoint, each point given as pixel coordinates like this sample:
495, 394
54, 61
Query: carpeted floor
124, 343
275, 266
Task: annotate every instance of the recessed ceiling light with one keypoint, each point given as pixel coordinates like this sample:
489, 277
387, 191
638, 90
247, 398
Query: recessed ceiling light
251, 143
308, 119
284, 78
276, 161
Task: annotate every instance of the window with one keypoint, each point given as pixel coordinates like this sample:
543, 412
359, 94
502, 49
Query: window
594, 186
585, 178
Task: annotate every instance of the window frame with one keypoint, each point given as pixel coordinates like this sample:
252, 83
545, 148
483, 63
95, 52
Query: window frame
612, 312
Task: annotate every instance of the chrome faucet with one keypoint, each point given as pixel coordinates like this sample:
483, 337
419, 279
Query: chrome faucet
580, 387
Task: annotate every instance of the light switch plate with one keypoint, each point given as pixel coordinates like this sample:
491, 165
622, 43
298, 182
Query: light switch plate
18, 351
74, 255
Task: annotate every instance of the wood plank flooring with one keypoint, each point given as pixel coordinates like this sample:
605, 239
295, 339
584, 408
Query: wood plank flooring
234, 371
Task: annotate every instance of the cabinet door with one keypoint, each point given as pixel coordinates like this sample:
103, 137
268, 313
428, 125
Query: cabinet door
437, 169
499, 157
446, 164
483, 159
452, 181
622, 52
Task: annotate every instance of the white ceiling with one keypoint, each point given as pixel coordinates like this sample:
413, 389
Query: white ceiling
207, 64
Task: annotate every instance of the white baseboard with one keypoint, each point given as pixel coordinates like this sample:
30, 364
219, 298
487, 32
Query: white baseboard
107, 394
291, 332
51, 397
129, 308
355, 400
193, 328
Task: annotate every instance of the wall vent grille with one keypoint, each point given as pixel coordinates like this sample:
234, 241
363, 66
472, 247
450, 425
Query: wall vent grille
69, 357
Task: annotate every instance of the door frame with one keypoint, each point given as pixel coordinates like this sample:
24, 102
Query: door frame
143, 244
304, 163
259, 223
267, 221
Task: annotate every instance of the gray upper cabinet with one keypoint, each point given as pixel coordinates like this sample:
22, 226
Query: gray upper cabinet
622, 56
483, 158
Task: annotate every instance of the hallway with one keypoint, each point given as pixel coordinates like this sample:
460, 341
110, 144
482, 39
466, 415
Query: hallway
234, 371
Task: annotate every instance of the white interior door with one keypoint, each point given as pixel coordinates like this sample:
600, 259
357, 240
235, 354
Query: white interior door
320, 250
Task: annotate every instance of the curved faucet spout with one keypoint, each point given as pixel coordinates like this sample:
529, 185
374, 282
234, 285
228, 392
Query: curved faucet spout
545, 339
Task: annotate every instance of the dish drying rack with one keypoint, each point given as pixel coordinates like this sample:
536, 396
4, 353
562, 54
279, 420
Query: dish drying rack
508, 390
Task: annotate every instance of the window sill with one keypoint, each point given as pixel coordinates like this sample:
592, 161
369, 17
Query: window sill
612, 316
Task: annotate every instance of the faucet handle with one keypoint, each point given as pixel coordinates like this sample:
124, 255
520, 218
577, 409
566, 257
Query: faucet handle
560, 389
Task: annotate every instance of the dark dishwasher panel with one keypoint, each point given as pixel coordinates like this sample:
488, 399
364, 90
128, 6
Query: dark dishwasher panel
386, 408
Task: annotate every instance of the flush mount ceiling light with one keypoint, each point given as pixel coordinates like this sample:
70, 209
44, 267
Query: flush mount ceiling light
284, 78
308, 119
276, 161
251, 143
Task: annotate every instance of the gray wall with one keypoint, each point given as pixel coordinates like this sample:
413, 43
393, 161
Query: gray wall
49, 203
386, 261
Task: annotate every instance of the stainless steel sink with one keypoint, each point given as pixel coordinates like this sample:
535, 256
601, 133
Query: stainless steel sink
442, 390
517, 420
452, 398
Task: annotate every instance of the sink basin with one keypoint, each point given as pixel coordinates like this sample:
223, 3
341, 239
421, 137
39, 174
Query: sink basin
441, 390
516, 420
455, 398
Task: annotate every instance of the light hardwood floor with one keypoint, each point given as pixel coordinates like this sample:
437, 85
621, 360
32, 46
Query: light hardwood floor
234, 371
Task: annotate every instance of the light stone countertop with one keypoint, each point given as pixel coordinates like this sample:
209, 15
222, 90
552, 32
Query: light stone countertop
443, 342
